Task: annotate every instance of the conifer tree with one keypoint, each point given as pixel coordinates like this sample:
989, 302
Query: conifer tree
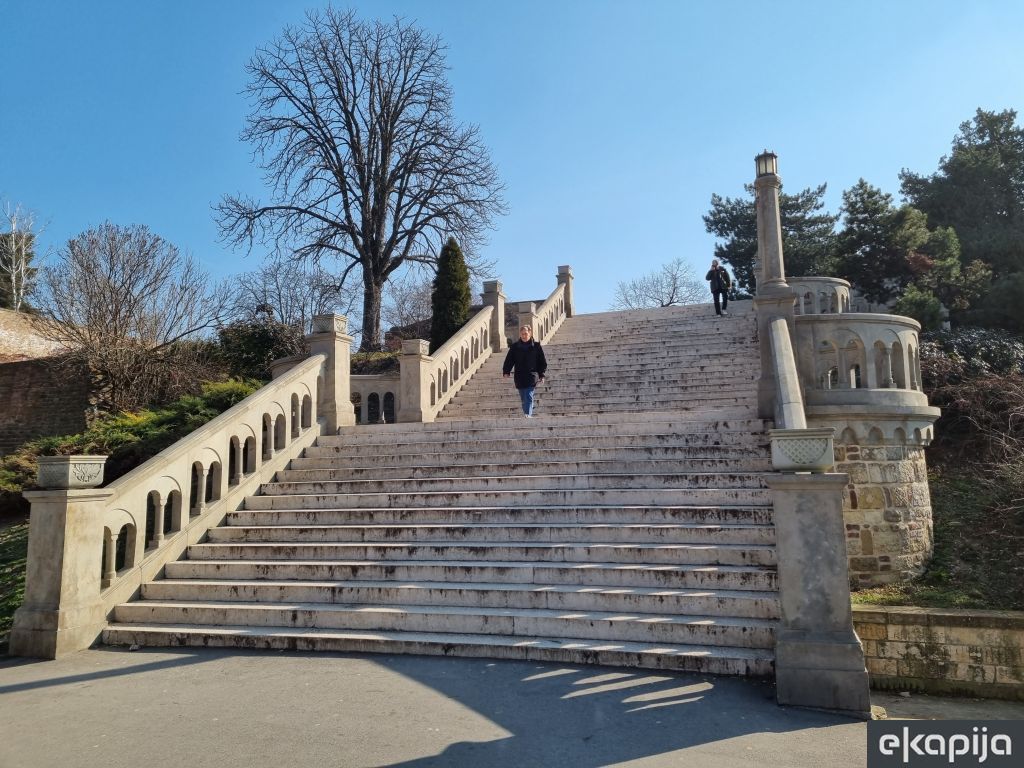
450, 298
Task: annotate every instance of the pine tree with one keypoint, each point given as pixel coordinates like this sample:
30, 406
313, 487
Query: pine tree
450, 298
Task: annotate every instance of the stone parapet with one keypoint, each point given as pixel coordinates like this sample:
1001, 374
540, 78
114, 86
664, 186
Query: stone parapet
934, 650
820, 295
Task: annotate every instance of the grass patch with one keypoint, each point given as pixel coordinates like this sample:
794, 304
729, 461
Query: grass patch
978, 560
13, 554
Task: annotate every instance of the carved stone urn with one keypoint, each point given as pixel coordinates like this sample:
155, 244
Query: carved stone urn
802, 450
67, 472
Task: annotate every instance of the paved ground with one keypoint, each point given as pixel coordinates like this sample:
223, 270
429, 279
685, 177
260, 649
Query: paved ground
200, 708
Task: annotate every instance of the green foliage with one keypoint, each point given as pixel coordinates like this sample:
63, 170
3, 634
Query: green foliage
127, 438
250, 346
963, 352
13, 556
808, 239
922, 305
450, 299
374, 363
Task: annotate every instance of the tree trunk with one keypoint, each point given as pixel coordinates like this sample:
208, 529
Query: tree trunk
371, 314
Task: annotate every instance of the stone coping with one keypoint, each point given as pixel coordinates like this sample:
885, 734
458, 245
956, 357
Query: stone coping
944, 617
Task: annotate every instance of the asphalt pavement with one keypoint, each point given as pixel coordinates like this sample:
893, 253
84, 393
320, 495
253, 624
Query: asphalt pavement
247, 709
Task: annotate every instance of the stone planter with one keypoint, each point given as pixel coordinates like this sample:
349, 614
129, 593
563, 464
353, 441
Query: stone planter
59, 472
802, 450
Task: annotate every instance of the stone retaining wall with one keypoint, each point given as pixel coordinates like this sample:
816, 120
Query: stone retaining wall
975, 653
38, 398
887, 510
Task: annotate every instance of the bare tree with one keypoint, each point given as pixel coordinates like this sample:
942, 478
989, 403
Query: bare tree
291, 292
669, 285
17, 248
407, 300
128, 305
353, 123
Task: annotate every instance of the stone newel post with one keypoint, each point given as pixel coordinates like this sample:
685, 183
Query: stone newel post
528, 316
335, 400
62, 611
565, 278
493, 297
774, 299
414, 389
819, 661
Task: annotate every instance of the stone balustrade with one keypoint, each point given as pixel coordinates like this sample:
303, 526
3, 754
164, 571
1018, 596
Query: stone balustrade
91, 549
375, 398
820, 295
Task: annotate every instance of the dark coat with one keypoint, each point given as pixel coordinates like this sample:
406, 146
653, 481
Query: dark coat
527, 358
719, 279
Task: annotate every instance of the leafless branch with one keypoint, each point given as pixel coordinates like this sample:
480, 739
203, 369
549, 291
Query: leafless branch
671, 284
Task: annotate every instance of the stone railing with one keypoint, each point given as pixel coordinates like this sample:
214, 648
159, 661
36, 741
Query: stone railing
545, 319
429, 382
375, 398
820, 295
92, 548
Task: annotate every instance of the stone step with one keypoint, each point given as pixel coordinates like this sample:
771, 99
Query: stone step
709, 659
525, 482
592, 574
635, 400
511, 515
504, 498
504, 551
678, 602
668, 533
520, 622
696, 459
515, 466
697, 443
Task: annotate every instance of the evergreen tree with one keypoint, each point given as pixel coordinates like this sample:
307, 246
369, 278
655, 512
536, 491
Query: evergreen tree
450, 298
808, 239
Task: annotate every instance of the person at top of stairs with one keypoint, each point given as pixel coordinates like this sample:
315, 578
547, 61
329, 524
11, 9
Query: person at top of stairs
526, 357
720, 284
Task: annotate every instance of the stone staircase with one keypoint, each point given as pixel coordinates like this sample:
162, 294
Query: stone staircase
627, 523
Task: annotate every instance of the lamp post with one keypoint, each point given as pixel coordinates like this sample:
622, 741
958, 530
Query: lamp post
771, 271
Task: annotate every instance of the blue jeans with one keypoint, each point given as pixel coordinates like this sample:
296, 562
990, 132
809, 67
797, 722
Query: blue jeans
526, 395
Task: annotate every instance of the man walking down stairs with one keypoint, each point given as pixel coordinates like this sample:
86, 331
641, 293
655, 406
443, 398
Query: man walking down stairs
628, 523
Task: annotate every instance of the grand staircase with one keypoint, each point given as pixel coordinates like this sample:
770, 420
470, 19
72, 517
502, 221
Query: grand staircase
627, 523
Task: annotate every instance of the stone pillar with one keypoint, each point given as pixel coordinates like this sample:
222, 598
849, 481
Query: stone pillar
335, 401
769, 232
528, 316
201, 492
62, 611
565, 278
771, 305
819, 661
493, 297
414, 386
158, 519
236, 478
887, 368
110, 556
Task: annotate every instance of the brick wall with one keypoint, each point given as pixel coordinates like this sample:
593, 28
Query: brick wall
37, 398
975, 653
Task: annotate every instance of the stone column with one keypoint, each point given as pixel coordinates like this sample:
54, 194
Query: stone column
110, 555
201, 492
414, 386
335, 400
528, 316
819, 661
158, 519
493, 297
769, 233
565, 278
62, 611
887, 367
236, 478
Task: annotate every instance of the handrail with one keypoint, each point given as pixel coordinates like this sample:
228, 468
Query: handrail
459, 358
789, 404
549, 315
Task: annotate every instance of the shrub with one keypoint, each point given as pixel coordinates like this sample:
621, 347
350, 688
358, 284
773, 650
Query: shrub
923, 306
450, 299
250, 346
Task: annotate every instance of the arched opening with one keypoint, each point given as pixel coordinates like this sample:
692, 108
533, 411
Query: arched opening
249, 455
833, 303
295, 416
899, 366
808, 304
444, 382
172, 513
915, 375
827, 366
848, 437
194, 483
357, 406
899, 436
234, 461
307, 411
152, 503
433, 393
373, 408
280, 432
213, 482
883, 365
875, 436
389, 407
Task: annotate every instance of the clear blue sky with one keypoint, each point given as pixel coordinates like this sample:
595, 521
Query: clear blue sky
611, 122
